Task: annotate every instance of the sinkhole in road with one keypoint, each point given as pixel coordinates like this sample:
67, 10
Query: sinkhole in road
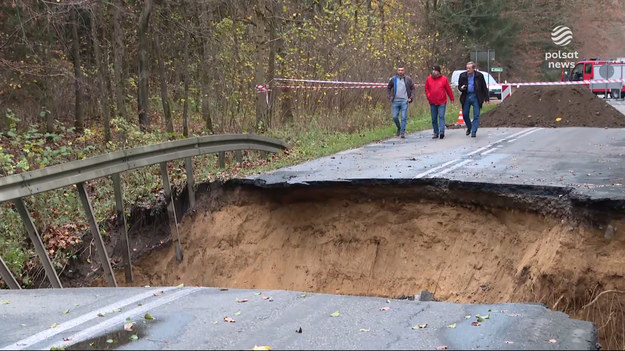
463, 242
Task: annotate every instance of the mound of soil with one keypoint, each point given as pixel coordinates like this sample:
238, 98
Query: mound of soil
541, 106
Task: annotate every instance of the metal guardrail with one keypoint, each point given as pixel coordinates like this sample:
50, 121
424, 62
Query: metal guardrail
17, 186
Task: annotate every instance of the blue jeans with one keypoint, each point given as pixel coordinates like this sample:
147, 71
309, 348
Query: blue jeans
400, 106
471, 101
438, 118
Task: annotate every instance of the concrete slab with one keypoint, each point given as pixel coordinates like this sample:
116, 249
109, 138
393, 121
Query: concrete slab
193, 318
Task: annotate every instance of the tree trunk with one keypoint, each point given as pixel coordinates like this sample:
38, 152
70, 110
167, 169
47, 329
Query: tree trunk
185, 109
169, 125
144, 73
274, 43
78, 116
206, 66
259, 68
118, 57
103, 100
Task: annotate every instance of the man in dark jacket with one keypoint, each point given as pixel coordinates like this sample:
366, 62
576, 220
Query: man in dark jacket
474, 93
400, 91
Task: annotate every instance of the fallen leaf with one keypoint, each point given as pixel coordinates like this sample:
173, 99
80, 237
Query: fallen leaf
299, 331
553, 341
266, 298
180, 286
53, 325
451, 326
109, 341
238, 313
66, 339
134, 337
128, 326
420, 326
442, 347
365, 330
22, 325
259, 293
467, 317
148, 317
215, 322
509, 342
5, 302
388, 301
479, 318
158, 293
66, 312
302, 295
258, 348
229, 320
241, 301
100, 314
558, 119
515, 315
128, 319
385, 308
335, 314
476, 324
117, 310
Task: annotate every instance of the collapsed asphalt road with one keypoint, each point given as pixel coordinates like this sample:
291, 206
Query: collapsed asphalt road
589, 161
209, 318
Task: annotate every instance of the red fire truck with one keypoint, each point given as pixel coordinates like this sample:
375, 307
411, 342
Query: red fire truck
595, 69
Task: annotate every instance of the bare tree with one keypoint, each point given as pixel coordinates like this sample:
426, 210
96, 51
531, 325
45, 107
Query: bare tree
103, 77
144, 73
79, 122
118, 57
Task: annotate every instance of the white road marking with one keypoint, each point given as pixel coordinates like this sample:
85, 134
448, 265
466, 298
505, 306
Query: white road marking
458, 165
484, 150
120, 318
48, 333
436, 168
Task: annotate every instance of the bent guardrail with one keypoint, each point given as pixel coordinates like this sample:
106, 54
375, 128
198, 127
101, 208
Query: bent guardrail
16, 187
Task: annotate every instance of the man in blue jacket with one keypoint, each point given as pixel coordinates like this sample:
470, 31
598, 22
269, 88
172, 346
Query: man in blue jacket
474, 93
400, 91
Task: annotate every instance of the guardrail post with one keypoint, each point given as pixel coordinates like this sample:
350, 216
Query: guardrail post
238, 155
37, 243
222, 159
171, 211
97, 237
188, 162
121, 221
7, 276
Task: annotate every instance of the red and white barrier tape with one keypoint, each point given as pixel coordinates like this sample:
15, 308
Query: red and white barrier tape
339, 82
331, 86
578, 82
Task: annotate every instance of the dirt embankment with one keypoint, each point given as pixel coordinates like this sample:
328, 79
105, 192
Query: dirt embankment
394, 241
553, 106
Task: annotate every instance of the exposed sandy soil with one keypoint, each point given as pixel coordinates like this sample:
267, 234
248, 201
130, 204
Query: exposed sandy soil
542, 106
394, 242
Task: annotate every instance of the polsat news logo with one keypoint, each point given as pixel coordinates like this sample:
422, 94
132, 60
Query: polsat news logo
561, 36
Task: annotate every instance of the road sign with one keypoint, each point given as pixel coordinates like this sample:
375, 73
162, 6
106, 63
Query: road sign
496, 69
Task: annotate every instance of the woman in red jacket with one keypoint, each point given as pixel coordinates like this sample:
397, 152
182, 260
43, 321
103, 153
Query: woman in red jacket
436, 90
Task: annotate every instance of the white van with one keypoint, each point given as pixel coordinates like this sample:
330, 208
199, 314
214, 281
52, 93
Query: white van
494, 88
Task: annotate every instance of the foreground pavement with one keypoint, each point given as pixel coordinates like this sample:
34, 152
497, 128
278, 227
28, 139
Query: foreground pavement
195, 318
589, 161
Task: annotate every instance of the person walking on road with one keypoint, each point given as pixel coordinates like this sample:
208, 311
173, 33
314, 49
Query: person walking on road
400, 91
474, 93
436, 90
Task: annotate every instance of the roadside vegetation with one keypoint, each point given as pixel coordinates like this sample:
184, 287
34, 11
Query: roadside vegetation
58, 214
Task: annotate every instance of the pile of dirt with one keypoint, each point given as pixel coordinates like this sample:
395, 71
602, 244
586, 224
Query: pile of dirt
553, 106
